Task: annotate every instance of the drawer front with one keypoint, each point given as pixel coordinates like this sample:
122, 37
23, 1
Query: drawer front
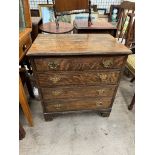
78, 78
78, 104
76, 91
79, 63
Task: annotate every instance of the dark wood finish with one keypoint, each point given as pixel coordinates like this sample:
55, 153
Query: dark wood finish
36, 22
22, 132
77, 72
82, 26
34, 12
78, 104
77, 91
126, 7
130, 39
69, 5
50, 27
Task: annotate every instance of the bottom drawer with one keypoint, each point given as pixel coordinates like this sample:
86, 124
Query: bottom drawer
77, 104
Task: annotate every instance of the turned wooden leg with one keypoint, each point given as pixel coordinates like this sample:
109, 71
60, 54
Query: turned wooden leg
132, 103
24, 104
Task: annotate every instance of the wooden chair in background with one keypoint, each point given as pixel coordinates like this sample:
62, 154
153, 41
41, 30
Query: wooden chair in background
68, 7
130, 43
126, 35
126, 7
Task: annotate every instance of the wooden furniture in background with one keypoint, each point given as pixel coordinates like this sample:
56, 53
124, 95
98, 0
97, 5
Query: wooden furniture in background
51, 28
123, 20
81, 26
79, 72
68, 7
25, 27
34, 12
36, 22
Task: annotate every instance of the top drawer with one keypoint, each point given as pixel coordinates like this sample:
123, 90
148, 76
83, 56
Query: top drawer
78, 63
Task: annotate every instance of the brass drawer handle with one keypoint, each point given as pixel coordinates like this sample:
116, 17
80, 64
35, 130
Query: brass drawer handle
103, 77
55, 79
107, 63
57, 106
53, 65
99, 103
56, 93
101, 91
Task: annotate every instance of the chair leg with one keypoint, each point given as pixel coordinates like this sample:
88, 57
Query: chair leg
24, 103
132, 103
133, 79
22, 132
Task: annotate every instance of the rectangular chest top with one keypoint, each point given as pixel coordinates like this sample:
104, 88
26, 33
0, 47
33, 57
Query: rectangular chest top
76, 44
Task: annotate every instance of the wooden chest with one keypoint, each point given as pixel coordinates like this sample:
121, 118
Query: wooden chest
77, 72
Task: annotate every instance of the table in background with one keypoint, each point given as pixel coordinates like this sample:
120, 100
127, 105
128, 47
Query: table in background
50, 27
98, 26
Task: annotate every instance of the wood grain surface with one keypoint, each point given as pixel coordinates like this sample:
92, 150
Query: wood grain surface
76, 44
79, 63
78, 104
78, 91
49, 79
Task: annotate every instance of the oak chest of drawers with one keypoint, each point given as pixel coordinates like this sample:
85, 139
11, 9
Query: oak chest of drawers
77, 72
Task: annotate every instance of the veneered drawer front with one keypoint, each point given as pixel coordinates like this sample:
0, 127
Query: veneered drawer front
79, 63
78, 78
77, 104
78, 91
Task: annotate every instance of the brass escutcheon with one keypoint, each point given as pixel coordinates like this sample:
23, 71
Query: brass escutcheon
107, 63
53, 65
103, 76
55, 79
57, 106
99, 103
56, 93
